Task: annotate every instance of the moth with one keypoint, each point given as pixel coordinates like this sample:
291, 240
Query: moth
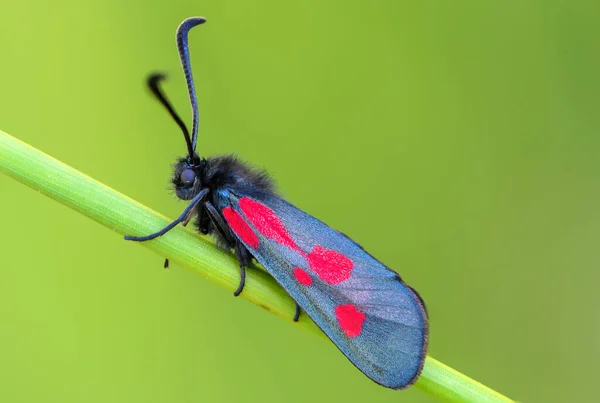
377, 321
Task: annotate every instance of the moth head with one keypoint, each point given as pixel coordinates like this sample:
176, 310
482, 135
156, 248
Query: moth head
186, 178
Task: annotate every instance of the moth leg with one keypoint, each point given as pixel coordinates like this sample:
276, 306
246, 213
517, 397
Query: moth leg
219, 224
187, 218
169, 227
244, 258
298, 311
242, 282
203, 221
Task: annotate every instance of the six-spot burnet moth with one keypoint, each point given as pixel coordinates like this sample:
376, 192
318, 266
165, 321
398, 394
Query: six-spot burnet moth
365, 308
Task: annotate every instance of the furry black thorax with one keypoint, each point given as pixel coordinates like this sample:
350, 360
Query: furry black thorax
225, 171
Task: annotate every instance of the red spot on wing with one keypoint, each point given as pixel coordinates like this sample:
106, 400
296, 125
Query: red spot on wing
240, 227
331, 266
350, 319
266, 221
302, 276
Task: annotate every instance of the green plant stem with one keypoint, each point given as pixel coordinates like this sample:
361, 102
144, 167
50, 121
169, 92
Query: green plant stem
126, 216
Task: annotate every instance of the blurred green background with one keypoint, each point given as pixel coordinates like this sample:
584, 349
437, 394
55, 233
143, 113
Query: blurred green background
457, 141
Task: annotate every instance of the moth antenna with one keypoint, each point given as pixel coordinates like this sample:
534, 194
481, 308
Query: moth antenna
184, 57
154, 85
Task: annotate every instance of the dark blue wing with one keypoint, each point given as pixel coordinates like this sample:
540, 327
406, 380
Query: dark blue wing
375, 319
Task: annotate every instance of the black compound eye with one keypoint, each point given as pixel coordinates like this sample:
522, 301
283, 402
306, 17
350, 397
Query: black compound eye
187, 177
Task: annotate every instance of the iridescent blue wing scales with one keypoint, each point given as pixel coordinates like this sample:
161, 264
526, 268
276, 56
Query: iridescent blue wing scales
370, 314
